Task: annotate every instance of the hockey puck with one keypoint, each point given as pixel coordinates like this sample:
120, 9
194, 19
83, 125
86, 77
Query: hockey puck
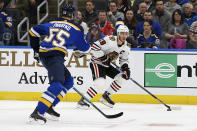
169, 109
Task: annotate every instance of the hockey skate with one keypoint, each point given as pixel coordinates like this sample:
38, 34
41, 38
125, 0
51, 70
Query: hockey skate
51, 114
82, 104
37, 118
106, 100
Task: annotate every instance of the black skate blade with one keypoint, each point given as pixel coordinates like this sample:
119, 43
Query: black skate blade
114, 116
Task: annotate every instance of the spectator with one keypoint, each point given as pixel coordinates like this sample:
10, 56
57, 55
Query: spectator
94, 34
135, 6
81, 22
177, 30
141, 11
123, 5
32, 10
156, 28
89, 14
194, 3
189, 16
192, 44
171, 6
113, 13
104, 25
130, 21
5, 24
150, 5
147, 39
163, 17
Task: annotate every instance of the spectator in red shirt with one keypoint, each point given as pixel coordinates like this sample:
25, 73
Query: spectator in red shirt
104, 25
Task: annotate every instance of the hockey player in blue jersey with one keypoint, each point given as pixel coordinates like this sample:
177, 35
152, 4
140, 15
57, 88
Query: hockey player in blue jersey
60, 33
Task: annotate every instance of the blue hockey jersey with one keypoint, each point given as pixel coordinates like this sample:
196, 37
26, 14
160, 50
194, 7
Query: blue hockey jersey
6, 18
60, 33
151, 42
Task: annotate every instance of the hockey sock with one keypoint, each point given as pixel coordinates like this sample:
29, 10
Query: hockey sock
49, 96
114, 87
45, 102
90, 93
60, 97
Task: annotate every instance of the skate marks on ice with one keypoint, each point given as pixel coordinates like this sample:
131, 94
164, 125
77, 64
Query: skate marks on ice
137, 117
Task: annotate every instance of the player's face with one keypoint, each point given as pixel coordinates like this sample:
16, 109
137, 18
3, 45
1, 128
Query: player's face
123, 36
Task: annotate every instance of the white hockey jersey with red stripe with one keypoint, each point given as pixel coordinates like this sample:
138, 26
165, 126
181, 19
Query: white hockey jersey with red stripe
106, 45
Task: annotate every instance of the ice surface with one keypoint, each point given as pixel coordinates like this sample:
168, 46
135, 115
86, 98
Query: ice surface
137, 117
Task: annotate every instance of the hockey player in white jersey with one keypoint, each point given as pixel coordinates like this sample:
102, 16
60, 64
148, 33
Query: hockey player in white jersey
104, 52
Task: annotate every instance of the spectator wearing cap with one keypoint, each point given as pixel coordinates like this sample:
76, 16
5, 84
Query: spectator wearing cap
119, 22
5, 25
104, 26
81, 22
94, 34
89, 14
113, 13
188, 14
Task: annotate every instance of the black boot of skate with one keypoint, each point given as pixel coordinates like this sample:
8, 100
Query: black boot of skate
36, 117
106, 97
82, 104
51, 114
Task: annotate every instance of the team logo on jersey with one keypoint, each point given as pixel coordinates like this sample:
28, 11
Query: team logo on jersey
112, 38
157, 41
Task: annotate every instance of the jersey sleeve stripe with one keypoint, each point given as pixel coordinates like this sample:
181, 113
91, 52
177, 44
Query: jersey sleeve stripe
8, 23
34, 32
94, 47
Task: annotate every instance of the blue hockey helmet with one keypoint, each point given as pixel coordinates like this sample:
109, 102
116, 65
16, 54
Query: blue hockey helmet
68, 10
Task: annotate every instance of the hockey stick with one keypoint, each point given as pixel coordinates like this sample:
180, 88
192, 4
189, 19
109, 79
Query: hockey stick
168, 107
107, 116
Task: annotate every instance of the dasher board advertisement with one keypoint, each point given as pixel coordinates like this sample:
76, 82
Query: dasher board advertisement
170, 70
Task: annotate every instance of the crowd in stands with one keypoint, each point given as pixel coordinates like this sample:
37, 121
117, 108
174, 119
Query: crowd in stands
152, 23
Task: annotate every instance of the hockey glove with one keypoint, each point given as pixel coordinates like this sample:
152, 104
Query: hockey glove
36, 56
126, 71
77, 53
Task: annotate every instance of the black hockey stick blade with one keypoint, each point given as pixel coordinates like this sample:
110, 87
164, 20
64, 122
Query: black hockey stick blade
107, 116
114, 116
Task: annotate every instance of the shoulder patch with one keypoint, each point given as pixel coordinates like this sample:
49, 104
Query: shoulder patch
112, 38
157, 41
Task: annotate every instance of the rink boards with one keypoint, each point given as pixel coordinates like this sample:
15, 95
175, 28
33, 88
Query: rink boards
170, 74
